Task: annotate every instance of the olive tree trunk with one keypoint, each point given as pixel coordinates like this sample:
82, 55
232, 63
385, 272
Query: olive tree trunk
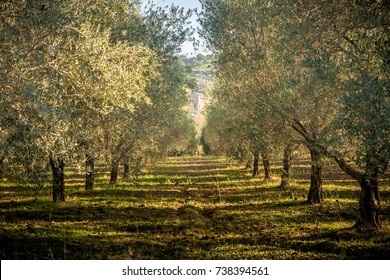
57, 168
267, 167
114, 171
369, 203
2, 166
376, 165
255, 164
315, 192
126, 169
89, 172
287, 159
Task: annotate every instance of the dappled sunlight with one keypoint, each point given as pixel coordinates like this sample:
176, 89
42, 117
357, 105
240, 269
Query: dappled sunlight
177, 211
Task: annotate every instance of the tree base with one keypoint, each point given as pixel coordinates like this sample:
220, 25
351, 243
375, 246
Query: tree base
364, 227
284, 185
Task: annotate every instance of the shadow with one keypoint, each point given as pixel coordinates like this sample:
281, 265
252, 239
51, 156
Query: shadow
346, 244
193, 208
23, 204
130, 195
24, 245
99, 213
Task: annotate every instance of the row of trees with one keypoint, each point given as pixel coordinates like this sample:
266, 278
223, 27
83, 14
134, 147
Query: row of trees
84, 80
303, 72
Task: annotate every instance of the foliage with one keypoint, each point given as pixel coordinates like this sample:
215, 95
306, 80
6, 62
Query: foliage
319, 67
201, 67
89, 78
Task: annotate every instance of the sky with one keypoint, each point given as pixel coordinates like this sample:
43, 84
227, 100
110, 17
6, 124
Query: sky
187, 47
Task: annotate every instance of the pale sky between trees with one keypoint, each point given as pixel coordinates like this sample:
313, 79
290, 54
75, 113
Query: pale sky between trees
187, 48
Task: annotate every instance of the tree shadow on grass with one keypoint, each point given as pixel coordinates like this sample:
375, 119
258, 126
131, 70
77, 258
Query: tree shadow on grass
216, 215
87, 233
346, 244
130, 195
65, 246
81, 213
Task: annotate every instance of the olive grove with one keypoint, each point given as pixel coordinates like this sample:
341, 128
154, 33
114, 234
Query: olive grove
316, 72
85, 80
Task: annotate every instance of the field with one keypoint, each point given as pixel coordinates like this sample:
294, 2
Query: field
191, 208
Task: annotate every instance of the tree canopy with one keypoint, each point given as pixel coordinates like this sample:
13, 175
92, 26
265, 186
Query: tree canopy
87, 79
317, 68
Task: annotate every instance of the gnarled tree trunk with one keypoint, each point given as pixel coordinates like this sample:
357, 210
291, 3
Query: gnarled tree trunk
248, 164
114, 171
89, 172
138, 165
126, 169
376, 165
255, 164
267, 167
287, 158
57, 168
369, 203
2, 165
315, 192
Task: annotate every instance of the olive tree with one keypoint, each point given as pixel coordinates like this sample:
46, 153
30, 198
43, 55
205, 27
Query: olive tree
355, 37
59, 72
327, 71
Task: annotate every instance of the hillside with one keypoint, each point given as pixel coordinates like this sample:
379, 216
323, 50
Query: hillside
202, 68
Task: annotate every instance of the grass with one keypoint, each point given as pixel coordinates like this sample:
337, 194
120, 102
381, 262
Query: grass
190, 208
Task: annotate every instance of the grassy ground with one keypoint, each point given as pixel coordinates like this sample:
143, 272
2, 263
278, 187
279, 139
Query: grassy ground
190, 208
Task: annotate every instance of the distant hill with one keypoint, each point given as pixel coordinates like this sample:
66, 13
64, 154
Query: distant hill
202, 70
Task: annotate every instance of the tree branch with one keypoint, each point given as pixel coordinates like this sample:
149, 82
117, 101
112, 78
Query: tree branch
348, 169
300, 128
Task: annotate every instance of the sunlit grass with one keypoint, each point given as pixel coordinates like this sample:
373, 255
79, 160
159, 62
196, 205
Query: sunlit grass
189, 208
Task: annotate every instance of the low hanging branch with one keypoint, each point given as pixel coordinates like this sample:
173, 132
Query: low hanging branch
369, 203
301, 129
348, 169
